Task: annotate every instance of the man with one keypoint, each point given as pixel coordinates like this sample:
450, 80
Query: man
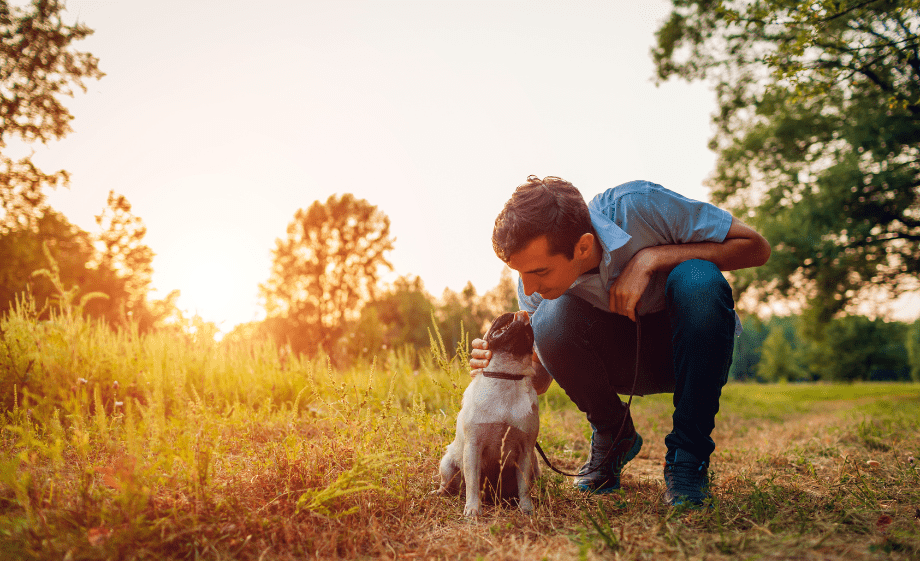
637, 261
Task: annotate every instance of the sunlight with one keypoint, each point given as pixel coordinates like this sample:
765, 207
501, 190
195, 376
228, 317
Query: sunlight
215, 264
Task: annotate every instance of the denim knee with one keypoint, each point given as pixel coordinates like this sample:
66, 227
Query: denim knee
698, 288
557, 326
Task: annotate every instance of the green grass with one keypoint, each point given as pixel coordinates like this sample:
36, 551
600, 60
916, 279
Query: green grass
122, 446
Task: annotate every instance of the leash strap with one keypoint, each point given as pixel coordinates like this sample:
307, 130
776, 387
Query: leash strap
551, 466
622, 425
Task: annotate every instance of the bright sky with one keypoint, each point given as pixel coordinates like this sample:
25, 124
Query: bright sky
218, 120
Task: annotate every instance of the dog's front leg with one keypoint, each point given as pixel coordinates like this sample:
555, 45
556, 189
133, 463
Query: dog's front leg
472, 466
525, 480
450, 470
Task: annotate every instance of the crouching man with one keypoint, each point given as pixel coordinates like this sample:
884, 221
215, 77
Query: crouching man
637, 253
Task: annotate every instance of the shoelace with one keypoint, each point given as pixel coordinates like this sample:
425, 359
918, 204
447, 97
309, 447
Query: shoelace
599, 457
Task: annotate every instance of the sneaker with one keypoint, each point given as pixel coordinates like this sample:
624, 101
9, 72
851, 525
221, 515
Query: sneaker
687, 478
606, 478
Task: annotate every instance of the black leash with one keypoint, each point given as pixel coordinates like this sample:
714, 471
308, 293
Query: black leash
622, 425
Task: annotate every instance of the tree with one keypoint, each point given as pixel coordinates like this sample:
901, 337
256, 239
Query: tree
114, 262
21, 254
777, 358
38, 66
325, 271
121, 256
461, 317
858, 348
404, 312
502, 297
818, 136
746, 355
912, 346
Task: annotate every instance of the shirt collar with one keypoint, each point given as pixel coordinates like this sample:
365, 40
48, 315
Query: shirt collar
610, 235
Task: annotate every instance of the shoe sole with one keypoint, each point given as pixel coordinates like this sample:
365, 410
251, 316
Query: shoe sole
633, 452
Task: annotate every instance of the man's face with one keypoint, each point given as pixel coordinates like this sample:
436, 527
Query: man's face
548, 275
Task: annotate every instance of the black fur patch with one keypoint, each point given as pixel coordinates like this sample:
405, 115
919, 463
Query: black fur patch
508, 334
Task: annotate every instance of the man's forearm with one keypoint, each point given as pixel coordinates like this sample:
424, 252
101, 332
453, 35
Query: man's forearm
730, 255
743, 247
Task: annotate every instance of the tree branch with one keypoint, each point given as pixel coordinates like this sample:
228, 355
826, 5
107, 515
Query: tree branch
845, 12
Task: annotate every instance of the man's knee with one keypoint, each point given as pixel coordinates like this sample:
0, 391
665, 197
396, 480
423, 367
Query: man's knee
698, 288
559, 327
555, 319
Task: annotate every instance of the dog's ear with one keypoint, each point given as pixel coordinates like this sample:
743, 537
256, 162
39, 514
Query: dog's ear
510, 335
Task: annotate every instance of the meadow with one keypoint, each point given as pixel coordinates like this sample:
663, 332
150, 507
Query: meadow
170, 446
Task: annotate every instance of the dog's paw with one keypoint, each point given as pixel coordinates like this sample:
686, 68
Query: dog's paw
472, 511
526, 507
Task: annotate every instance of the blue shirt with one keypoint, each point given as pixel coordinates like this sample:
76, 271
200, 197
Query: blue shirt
631, 217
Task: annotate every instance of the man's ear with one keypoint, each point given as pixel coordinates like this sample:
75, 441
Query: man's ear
584, 245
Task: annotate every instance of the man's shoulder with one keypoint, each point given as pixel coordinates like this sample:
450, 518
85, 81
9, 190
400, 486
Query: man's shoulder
611, 197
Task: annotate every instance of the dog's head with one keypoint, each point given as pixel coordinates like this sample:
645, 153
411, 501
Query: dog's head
511, 334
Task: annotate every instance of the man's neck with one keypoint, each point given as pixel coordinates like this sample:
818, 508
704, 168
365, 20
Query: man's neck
594, 259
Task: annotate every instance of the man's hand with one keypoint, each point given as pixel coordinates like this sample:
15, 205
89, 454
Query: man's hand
479, 356
743, 247
626, 291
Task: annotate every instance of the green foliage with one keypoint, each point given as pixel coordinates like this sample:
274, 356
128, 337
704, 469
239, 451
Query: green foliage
167, 411
848, 348
396, 319
817, 135
777, 359
355, 480
912, 344
857, 348
746, 354
38, 67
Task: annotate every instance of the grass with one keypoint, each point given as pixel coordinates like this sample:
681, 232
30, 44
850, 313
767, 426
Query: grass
122, 446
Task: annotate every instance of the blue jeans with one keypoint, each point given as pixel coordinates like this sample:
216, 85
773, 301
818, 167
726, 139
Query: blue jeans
685, 349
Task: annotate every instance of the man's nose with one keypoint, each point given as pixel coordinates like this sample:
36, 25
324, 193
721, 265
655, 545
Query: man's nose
529, 287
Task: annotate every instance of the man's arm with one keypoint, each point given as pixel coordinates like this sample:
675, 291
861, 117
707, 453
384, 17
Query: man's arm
743, 247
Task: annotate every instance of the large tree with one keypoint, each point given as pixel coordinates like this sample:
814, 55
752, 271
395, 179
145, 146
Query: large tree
114, 262
324, 272
38, 67
817, 134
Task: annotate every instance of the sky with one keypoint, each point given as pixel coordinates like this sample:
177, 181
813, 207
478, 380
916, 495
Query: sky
218, 120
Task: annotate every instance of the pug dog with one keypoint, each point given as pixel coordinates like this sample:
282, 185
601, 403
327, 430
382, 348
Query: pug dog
498, 423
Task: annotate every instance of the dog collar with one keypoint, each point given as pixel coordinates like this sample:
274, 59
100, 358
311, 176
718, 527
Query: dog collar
503, 375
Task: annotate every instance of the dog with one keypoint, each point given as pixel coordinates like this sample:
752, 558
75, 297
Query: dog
498, 423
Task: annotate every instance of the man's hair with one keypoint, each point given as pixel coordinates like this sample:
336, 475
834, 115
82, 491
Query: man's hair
550, 206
